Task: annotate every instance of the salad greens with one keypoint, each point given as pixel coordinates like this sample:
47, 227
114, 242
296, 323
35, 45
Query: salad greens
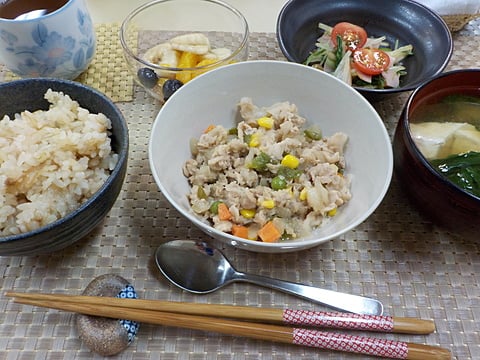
372, 64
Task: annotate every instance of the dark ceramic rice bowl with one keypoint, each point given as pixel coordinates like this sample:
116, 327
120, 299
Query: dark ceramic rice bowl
28, 94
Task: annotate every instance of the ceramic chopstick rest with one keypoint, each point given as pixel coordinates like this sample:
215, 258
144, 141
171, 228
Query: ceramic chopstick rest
102, 335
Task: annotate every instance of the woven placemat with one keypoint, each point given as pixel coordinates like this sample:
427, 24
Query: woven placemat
413, 267
108, 70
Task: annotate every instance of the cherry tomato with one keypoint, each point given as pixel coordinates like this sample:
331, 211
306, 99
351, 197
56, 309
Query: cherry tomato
370, 61
353, 36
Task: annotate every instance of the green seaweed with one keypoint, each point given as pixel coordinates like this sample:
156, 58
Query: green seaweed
463, 170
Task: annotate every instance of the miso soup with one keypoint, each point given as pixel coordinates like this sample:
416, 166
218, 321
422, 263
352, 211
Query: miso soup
446, 130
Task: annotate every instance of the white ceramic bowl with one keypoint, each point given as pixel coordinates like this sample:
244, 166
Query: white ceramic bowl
319, 97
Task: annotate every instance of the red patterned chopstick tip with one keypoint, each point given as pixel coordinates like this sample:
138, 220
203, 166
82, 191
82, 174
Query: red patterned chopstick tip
338, 320
348, 343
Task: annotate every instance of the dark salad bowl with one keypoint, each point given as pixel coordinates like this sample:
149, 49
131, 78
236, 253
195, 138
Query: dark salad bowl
405, 21
437, 198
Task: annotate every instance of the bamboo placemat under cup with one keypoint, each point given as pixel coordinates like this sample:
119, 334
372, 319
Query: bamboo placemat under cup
108, 70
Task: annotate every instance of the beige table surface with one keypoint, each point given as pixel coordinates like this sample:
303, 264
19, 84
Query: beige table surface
261, 15
413, 267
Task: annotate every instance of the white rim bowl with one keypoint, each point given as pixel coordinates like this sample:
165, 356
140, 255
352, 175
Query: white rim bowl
368, 154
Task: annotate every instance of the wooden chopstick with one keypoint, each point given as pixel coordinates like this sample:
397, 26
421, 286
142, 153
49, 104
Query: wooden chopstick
306, 337
277, 316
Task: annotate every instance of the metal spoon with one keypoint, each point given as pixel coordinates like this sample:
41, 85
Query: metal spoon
200, 268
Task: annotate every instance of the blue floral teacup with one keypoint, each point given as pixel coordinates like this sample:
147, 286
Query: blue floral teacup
59, 44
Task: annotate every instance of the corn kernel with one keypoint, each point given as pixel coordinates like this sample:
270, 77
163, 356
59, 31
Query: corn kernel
290, 161
332, 212
265, 122
268, 204
303, 194
254, 140
248, 213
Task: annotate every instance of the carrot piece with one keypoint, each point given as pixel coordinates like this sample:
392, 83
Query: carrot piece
240, 231
208, 129
223, 212
269, 233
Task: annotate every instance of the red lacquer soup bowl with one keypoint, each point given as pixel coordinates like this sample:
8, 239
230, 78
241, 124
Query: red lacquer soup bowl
442, 201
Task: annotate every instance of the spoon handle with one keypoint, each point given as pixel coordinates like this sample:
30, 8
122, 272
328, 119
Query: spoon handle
334, 299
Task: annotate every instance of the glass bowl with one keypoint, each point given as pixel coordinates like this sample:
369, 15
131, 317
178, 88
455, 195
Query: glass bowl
167, 43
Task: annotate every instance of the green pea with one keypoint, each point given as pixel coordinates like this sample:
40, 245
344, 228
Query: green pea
288, 173
214, 207
313, 133
259, 162
278, 183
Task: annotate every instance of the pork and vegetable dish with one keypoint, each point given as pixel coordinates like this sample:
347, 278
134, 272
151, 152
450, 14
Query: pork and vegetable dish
271, 177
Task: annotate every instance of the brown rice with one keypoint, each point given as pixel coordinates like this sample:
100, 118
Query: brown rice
51, 161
